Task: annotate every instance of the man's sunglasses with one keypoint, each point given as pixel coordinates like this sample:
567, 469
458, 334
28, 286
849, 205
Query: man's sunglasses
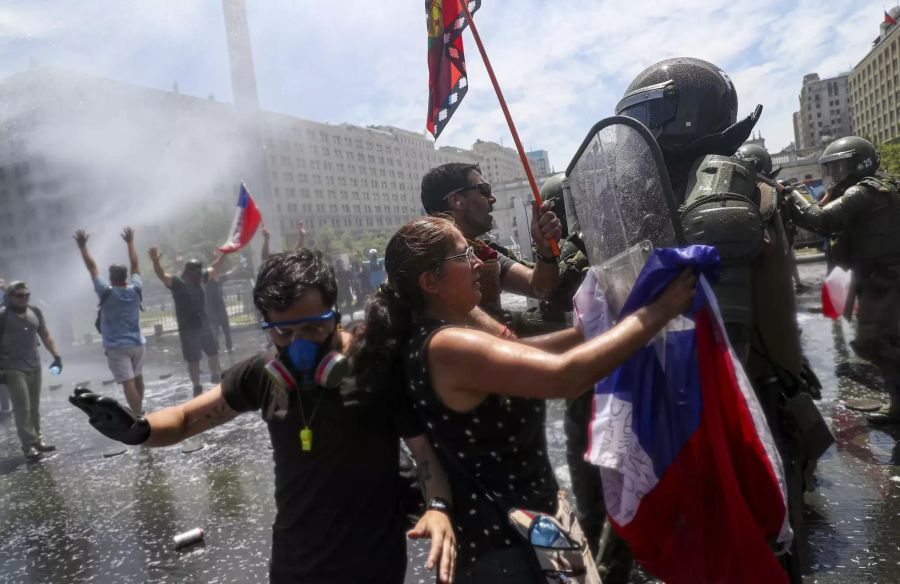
483, 188
21, 295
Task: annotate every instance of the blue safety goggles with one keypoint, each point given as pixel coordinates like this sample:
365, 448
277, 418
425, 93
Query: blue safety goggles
285, 323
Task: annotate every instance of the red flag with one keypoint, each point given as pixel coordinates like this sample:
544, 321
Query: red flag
246, 219
447, 82
889, 19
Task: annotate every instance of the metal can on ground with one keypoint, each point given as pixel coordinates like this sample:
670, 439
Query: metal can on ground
189, 537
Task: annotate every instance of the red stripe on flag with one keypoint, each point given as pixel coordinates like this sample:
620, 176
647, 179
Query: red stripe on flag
709, 517
828, 308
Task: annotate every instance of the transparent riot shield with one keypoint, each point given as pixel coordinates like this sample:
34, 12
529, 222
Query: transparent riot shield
618, 192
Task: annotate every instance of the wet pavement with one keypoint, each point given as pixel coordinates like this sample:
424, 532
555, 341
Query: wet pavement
81, 517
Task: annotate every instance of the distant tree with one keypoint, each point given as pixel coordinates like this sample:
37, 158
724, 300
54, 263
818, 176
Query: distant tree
326, 240
890, 158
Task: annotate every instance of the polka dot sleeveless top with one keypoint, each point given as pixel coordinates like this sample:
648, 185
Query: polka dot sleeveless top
501, 442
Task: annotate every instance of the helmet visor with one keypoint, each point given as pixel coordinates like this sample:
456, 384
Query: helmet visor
834, 171
654, 106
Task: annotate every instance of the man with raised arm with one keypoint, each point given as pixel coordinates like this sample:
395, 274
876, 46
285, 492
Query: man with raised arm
120, 317
301, 239
194, 330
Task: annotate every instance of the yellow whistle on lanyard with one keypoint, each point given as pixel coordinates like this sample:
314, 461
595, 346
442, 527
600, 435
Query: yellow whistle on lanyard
306, 439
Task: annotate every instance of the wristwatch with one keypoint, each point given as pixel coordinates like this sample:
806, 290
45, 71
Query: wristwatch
552, 259
439, 504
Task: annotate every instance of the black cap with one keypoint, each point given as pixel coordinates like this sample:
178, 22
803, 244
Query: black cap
193, 265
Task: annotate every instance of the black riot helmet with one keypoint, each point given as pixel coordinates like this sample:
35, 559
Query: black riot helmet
193, 270
690, 105
193, 265
851, 157
758, 155
552, 192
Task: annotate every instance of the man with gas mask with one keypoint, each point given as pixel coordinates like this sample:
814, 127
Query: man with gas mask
336, 442
690, 107
863, 213
194, 330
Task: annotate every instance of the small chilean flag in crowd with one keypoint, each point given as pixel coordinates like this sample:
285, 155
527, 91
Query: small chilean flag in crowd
691, 475
836, 292
447, 81
246, 219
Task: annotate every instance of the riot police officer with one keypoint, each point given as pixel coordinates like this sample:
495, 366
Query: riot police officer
573, 265
758, 155
762, 161
863, 214
690, 106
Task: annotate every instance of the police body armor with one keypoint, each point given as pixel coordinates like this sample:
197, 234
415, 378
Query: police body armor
721, 209
872, 240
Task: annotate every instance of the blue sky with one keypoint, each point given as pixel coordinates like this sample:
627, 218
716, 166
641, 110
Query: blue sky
562, 64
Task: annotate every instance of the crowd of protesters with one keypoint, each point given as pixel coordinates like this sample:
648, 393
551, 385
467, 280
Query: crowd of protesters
339, 401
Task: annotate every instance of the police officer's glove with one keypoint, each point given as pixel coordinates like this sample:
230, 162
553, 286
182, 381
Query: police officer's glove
57, 363
111, 418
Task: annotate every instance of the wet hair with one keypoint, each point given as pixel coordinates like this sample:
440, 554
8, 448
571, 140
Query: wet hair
285, 277
118, 274
442, 179
417, 247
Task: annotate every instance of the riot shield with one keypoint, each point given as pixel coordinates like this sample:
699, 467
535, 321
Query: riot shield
618, 192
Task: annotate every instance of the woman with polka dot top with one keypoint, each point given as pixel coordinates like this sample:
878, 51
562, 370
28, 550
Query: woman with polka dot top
480, 396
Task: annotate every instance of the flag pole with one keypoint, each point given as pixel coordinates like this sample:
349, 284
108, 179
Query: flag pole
512, 127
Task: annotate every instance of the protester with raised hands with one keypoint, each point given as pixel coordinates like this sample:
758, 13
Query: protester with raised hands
119, 317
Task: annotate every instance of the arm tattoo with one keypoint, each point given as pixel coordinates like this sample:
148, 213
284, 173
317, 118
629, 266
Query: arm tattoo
213, 415
217, 412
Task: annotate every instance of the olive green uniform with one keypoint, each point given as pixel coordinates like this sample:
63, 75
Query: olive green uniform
864, 222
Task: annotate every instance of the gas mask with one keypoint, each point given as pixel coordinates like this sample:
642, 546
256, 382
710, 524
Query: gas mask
305, 364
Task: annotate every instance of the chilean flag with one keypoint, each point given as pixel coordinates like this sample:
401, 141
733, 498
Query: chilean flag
836, 292
246, 220
691, 475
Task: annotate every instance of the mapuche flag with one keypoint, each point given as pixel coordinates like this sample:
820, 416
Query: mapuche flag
691, 475
246, 219
447, 82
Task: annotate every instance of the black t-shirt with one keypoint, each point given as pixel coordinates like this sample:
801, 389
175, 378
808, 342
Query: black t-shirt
190, 305
215, 300
338, 505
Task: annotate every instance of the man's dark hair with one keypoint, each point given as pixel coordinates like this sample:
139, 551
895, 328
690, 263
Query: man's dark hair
118, 274
442, 179
284, 277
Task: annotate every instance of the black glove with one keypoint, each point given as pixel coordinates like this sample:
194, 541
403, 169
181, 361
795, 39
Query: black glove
111, 418
57, 363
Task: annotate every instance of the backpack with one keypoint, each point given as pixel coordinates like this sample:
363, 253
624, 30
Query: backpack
105, 296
